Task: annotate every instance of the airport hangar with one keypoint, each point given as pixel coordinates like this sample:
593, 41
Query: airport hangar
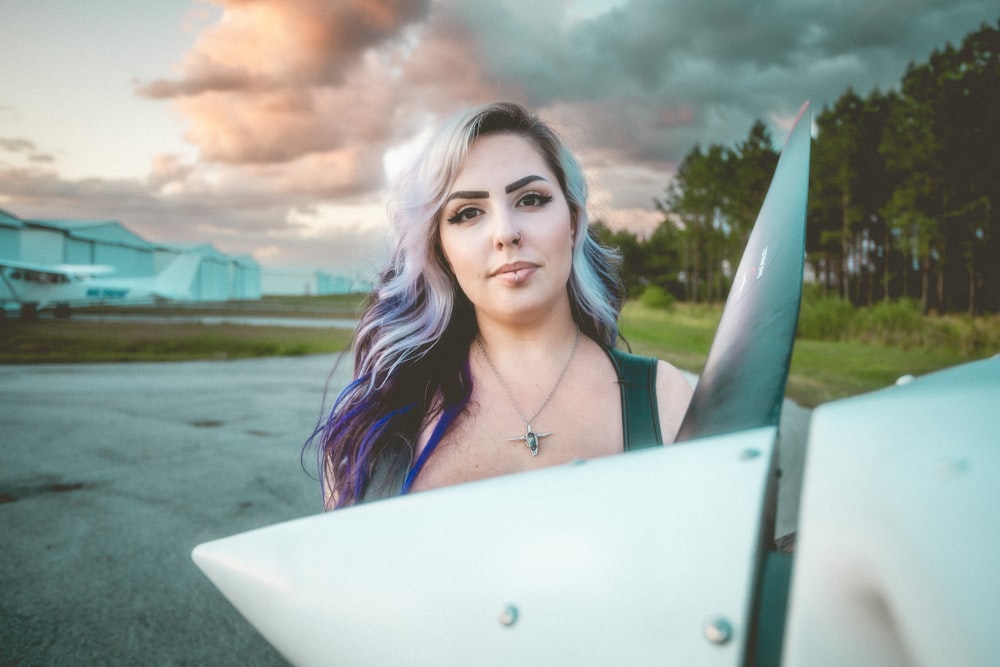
220, 277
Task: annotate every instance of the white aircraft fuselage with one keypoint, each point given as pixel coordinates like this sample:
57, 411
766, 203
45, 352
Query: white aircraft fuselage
36, 286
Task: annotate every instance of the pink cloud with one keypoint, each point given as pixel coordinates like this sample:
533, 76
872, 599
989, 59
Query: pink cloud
276, 80
266, 44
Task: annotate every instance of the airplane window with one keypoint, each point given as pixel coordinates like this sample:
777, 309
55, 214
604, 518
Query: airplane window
29, 276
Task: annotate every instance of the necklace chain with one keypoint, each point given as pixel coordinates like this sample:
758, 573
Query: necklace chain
520, 413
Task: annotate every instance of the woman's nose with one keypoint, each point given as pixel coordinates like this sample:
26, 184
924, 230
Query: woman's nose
505, 233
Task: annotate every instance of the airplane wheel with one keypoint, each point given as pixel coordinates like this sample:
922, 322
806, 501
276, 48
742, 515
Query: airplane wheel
62, 310
29, 311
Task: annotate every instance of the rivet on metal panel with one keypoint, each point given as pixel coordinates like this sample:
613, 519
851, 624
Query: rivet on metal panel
718, 631
508, 616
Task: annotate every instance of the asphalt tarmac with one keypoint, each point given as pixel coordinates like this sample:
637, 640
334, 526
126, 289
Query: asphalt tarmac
111, 473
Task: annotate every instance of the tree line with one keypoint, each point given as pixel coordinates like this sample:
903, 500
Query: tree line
904, 195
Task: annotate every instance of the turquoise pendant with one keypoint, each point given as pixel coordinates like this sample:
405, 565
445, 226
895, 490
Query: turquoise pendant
531, 439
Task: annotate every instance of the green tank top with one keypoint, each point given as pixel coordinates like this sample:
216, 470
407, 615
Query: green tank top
640, 409
640, 422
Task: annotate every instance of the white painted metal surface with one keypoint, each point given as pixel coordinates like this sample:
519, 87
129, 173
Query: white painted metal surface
623, 560
898, 552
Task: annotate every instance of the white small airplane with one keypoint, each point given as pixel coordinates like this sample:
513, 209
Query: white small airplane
37, 286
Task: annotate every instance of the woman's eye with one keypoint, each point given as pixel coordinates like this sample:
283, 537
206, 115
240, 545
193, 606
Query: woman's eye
464, 215
534, 199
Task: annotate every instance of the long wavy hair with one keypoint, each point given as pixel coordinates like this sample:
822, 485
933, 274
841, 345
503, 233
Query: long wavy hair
411, 344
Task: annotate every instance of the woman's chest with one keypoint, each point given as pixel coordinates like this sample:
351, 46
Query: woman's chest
493, 439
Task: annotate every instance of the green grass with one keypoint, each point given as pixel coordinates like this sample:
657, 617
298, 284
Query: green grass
55, 341
335, 305
681, 335
827, 370
822, 370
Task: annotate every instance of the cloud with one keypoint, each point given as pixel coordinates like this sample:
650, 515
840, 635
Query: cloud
298, 107
222, 211
276, 80
321, 90
26, 149
723, 63
262, 45
644, 80
16, 145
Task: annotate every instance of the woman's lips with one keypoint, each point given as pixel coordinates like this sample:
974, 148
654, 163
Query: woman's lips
515, 274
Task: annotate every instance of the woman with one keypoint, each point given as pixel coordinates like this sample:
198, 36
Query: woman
487, 345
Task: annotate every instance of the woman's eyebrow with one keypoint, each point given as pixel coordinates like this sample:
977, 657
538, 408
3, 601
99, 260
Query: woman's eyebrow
521, 182
483, 194
468, 194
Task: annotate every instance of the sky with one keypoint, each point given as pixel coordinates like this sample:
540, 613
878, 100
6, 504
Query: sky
272, 127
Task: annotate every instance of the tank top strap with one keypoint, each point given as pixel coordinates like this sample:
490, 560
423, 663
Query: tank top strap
640, 410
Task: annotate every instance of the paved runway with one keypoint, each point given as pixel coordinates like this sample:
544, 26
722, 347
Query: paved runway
112, 473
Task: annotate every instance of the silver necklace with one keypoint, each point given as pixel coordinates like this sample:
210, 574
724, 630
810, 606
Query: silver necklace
530, 438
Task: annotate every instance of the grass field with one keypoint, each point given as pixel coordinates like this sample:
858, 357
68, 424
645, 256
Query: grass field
335, 305
57, 341
821, 370
78, 340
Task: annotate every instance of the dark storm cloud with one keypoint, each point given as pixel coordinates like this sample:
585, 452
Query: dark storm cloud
727, 62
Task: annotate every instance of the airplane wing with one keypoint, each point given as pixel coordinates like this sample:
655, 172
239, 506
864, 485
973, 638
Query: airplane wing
85, 269
648, 558
68, 271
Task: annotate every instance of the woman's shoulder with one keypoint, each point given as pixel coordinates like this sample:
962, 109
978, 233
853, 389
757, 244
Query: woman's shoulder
671, 386
670, 376
628, 364
673, 394
626, 360
628, 357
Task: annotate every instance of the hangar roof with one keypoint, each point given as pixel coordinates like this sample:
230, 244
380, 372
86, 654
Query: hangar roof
8, 220
108, 231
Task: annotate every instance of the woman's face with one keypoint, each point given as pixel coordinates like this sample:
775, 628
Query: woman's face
506, 230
